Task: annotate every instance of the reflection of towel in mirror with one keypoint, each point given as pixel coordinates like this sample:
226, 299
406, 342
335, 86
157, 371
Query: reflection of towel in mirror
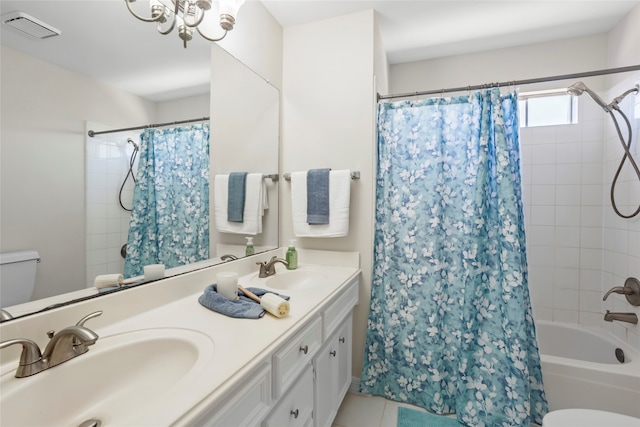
254, 206
236, 196
339, 195
318, 196
244, 307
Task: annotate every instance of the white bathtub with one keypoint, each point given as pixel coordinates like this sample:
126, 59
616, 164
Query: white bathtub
580, 369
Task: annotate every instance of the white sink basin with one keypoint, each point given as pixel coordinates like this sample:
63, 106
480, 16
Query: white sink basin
303, 277
117, 381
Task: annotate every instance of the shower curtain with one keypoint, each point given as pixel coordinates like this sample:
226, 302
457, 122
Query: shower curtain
170, 217
450, 325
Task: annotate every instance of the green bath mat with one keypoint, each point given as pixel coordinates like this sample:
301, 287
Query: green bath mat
412, 418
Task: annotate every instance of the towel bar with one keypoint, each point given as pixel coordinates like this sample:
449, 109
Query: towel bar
273, 177
354, 175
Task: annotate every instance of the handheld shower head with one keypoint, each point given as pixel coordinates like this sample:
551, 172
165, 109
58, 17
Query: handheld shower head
135, 146
578, 88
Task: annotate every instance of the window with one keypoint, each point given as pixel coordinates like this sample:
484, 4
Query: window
547, 108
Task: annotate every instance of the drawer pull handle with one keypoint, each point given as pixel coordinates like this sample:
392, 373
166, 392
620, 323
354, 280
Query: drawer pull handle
341, 340
333, 353
295, 413
304, 349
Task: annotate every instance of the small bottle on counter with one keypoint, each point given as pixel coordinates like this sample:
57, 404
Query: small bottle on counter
292, 255
249, 250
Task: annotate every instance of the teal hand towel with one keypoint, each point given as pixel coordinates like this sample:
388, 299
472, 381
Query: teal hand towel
318, 196
236, 196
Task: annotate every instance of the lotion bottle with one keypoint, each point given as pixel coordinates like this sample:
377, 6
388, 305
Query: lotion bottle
292, 255
249, 250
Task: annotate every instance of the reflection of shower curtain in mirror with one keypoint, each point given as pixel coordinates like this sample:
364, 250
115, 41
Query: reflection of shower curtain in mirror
170, 218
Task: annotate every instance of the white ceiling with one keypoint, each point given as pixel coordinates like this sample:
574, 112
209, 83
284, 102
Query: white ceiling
102, 40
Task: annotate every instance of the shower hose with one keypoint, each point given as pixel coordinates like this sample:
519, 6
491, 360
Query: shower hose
626, 145
130, 173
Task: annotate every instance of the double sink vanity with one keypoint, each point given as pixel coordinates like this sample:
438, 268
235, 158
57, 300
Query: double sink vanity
162, 359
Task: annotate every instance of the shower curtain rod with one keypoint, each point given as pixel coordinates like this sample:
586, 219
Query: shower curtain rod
514, 82
157, 125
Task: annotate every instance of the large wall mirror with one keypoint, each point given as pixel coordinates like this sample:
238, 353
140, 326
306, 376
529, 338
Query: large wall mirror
108, 71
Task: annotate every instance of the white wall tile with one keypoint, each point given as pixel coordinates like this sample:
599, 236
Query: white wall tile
567, 236
567, 278
566, 174
567, 195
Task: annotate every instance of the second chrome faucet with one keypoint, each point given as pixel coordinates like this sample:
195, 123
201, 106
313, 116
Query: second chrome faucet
269, 268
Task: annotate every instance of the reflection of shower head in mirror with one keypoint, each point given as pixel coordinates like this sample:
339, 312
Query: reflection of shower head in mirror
135, 146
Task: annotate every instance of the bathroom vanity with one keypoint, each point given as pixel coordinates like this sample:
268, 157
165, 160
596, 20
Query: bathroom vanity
162, 359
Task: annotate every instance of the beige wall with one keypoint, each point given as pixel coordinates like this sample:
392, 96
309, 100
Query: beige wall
328, 106
256, 41
517, 63
44, 109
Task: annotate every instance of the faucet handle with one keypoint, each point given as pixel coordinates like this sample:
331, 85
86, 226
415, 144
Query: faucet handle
82, 321
30, 358
631, 290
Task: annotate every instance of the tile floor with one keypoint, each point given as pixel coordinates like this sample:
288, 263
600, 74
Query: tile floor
368, 411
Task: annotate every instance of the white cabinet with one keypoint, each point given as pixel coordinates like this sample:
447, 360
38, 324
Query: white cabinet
333, 374
293, 356
302, 382
295, 409
246, 406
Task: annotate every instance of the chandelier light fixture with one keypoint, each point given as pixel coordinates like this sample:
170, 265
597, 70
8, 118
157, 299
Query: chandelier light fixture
188, 15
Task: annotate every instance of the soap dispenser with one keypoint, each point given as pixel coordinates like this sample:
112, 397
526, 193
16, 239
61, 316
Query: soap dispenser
249, 250
292, 255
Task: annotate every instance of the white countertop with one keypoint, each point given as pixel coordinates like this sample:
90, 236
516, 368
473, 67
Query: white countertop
239, 344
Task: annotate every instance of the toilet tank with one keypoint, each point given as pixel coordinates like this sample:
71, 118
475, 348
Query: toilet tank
17, 277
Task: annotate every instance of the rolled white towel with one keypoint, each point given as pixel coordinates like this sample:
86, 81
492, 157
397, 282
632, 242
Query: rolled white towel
108, 280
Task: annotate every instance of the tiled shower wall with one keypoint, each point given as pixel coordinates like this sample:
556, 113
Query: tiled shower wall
107, 159
621, 242
577, 247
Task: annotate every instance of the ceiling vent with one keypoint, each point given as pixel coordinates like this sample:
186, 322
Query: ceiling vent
27, 24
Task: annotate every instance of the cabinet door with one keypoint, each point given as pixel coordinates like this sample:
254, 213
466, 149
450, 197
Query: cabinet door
326, 384
333, 374
295, 409
344, 351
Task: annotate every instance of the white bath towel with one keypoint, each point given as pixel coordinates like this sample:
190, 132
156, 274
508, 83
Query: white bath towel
254, 205
339, 195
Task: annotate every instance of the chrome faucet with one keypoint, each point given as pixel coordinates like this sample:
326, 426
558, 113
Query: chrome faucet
68, 343
269, 268
228, 257
622, 317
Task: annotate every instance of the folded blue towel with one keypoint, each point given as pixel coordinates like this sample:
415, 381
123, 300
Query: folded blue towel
243, 308
318, 196
236, 195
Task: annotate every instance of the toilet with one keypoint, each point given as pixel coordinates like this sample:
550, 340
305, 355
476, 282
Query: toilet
17, 277
587, 418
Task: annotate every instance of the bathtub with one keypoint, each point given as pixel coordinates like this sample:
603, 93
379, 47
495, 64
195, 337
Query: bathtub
580, 369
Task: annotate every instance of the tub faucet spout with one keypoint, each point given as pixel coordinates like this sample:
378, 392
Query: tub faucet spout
622, 317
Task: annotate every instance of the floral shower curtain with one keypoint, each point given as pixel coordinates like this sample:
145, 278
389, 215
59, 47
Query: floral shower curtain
170, 217
450, 325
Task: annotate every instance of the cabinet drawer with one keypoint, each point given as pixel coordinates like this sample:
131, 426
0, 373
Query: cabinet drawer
292, 358
247, 406
340, 308
296, 408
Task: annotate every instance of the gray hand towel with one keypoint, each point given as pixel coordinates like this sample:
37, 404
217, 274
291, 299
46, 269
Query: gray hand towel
318, 196
243, 308
236, 196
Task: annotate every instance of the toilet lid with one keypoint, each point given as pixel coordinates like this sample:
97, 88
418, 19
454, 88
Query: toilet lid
587, 418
